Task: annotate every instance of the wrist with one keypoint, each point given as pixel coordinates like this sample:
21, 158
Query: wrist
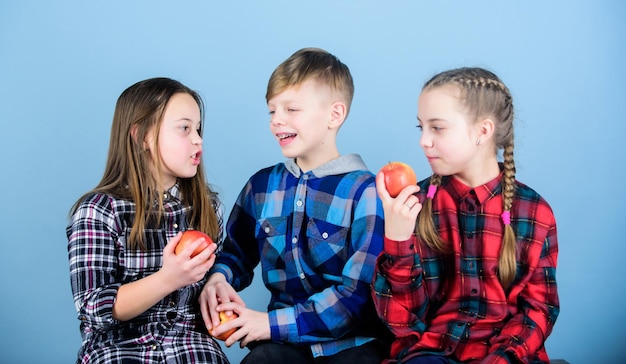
165, 282
400, 247
217, 277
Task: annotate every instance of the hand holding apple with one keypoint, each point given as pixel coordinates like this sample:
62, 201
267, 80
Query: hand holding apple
190, 236
398, 175
223, 319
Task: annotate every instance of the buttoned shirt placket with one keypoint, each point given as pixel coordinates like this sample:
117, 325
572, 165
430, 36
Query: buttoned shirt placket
298, 234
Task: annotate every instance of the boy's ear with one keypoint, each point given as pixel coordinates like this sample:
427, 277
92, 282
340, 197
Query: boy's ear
337, 114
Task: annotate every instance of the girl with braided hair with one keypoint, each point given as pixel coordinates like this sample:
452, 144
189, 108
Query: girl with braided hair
467, 274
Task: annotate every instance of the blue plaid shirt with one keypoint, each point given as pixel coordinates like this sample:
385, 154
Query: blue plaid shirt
317, 236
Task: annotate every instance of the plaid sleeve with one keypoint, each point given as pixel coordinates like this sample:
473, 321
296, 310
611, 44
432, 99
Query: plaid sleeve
93, 260
240, 253
398, 289
536, 296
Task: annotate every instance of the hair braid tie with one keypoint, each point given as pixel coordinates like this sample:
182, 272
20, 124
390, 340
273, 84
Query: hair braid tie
506, 217
431, 191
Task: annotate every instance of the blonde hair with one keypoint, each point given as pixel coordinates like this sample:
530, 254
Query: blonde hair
312, 64
127, 173
484, 95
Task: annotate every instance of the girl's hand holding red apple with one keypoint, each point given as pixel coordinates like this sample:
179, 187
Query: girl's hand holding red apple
397, 176
400, 204
189, 236
180, 270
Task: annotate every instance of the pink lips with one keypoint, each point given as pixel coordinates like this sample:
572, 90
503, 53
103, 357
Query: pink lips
195, 159
285, 138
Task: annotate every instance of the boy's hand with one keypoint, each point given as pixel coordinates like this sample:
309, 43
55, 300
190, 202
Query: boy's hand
252, 325
216, 290
181, 270
400, 212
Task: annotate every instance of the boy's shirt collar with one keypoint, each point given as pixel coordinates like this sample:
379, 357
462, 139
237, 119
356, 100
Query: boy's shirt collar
344, 164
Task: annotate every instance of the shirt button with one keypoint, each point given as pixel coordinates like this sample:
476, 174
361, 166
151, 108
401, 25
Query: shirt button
469, 235
299, 203
294, 240
175, 226
474, 291
154, 347
302, 276
267, 229
325, 235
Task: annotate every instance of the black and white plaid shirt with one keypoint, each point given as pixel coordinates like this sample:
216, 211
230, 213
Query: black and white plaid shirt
100, 262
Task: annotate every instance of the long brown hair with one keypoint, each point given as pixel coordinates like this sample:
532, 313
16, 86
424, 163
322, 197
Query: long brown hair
484, 95
128, 171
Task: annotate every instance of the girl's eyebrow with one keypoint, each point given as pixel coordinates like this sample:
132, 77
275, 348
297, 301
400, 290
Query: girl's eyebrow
188, 120
432, 120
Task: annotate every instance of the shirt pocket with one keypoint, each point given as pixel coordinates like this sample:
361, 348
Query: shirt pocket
328, 246
139, 263
271, 235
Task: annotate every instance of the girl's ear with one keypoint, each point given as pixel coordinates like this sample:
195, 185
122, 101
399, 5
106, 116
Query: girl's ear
133, 132
337, 114
486, 128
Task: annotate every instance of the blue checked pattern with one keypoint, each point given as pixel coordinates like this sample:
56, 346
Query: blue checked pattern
317, 236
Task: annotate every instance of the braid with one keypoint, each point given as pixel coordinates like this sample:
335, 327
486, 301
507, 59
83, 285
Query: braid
425, 227
508, 189
507, 264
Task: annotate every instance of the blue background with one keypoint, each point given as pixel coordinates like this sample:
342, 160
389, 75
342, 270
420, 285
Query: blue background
64, 63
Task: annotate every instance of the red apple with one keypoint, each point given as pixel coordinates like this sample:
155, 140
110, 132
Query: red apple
190, 236
224, 318
397, 176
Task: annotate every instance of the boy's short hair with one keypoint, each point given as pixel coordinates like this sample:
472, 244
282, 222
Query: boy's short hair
312, 63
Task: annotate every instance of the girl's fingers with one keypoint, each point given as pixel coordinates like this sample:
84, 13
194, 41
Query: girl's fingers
171, 244
191, 248
408, 193
381, 188
206, 254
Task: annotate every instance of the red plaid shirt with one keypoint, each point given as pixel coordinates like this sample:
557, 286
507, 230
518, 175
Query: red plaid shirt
453, 304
